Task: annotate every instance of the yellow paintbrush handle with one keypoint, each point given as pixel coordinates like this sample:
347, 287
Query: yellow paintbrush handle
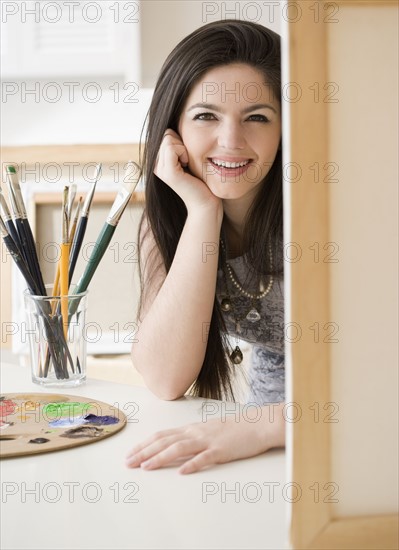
56, 288
64, 279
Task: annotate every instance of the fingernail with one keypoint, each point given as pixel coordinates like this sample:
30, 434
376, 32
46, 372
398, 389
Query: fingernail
147, 463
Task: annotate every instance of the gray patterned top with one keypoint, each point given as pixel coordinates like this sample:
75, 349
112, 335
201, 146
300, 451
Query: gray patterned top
266, 373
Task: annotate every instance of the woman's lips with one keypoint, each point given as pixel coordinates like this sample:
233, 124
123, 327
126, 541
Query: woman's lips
230, 168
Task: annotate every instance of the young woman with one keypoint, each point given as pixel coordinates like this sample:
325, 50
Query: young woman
211, 241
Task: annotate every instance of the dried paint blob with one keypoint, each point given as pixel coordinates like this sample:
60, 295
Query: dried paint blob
39, 440
83, 431
30, 405
7, 406
43, 399
101, 420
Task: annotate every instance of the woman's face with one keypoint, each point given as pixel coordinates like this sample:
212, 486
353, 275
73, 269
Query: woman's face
231, 127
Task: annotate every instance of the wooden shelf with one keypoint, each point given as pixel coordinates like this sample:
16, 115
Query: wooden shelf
81, 153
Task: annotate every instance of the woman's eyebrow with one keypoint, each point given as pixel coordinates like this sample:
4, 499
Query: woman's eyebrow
217, 108
259, 106
209, 106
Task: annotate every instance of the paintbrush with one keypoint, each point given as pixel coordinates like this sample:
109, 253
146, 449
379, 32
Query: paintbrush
130, 180
62, 278
23, 268
71, 199
64, 261
27, 242
17, 257
7, 218
74, 224
51, 331
56, 342
56, 285
82, 225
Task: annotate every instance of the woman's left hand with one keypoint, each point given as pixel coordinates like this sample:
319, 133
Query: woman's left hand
212, 442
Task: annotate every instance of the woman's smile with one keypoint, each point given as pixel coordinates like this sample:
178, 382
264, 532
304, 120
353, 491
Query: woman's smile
230, 167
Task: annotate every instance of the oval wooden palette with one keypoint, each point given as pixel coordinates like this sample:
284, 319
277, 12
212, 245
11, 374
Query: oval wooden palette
38, 422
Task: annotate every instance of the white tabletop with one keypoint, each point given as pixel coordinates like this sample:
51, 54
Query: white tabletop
85, 497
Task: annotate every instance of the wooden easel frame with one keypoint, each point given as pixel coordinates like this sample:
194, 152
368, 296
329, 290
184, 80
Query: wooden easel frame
309, 446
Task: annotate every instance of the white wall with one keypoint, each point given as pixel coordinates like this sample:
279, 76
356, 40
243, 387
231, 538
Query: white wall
165, 23
97, 113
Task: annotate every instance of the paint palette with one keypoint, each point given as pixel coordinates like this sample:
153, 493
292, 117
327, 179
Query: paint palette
38, 422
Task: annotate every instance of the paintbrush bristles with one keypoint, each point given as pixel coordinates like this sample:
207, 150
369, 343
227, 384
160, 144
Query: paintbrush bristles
17, 200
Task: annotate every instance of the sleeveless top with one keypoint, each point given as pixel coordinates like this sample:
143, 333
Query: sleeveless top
266, 372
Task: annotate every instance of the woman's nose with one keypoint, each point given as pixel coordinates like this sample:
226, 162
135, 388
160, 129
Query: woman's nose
231, 136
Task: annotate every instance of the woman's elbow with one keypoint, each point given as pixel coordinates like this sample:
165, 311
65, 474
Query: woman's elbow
167, 391
165, 395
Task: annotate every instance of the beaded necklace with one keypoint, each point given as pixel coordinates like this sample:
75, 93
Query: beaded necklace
227, 304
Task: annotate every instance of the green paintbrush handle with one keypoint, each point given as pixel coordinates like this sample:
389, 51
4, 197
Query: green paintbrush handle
100, 247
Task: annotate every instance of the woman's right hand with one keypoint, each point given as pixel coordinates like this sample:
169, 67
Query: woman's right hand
171, 167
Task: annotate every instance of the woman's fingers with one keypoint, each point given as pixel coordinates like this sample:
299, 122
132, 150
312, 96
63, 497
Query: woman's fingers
136, 459
163, 448
172, 155
167, 446
206, 458
176, 145
175, 451
171, 133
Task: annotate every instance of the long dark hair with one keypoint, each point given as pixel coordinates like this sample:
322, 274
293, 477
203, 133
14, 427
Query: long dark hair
217, 43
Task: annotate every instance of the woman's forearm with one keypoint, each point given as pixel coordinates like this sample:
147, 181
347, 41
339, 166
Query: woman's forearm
172, 337
271, 426
263, 426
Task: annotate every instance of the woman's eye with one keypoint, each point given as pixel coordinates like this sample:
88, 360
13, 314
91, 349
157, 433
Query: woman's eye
205, 116
259, 118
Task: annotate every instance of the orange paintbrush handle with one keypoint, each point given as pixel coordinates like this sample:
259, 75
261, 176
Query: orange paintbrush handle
64, 280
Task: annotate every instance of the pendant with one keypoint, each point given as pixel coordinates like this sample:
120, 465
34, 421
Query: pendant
225, 304
253, 316
236, 356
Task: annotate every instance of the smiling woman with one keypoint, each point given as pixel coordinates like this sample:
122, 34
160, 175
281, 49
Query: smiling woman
211, 240
232, 142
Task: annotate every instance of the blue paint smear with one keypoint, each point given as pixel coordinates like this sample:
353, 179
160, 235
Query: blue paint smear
101, 420
80, 420
67, 422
